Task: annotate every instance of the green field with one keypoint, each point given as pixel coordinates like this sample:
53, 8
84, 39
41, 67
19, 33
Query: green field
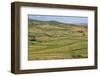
53, 40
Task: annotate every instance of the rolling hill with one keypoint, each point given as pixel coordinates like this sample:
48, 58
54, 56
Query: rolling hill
55, 40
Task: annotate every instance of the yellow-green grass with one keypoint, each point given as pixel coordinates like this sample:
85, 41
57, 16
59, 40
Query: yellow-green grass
56, 42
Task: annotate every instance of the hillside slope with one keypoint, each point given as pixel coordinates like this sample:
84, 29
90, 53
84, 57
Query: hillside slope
54, 40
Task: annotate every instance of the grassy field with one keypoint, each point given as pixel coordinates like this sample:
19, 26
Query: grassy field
52, 40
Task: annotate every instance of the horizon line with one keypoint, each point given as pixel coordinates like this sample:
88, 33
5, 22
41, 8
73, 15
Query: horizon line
57, 21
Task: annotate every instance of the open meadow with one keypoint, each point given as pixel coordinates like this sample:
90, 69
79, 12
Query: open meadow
50, 40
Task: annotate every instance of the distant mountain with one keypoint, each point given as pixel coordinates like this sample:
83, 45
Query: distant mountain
44, 22
38, 21
53, 22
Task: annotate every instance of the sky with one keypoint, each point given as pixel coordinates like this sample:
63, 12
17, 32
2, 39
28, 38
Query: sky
63, 19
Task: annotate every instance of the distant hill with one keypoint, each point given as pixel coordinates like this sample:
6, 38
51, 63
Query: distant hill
44, 22
37, 22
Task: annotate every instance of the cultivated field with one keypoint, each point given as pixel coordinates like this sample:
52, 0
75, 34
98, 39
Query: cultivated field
48, 40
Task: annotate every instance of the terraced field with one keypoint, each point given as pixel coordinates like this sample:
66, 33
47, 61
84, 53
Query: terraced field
49, 40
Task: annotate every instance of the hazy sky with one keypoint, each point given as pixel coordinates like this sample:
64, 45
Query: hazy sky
63, 19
